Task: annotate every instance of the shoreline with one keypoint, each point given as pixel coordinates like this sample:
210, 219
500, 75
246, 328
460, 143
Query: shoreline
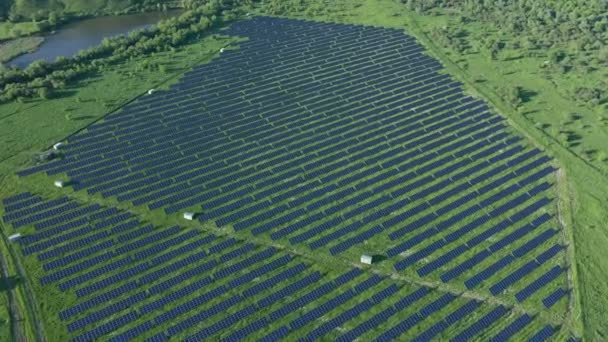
14, 48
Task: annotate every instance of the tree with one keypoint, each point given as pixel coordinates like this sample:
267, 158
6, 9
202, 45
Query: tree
513, 95
557, 56
43, 93
53, 18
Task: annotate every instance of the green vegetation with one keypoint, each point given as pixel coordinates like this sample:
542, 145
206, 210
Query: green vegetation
5, 316
555, 78
22, 18
10, 30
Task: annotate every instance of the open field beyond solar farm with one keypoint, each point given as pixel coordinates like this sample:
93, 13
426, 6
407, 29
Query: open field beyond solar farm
302, 146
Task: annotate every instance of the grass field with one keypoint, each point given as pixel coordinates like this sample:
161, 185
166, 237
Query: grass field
14, 30
575, 193
5, 318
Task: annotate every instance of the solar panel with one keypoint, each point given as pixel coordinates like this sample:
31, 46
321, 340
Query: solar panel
513, 328
16, 198
483, 323
545, 333
453, 317
554, 297
537, 284
325, 147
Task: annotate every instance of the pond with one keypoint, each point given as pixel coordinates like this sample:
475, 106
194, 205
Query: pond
73, 37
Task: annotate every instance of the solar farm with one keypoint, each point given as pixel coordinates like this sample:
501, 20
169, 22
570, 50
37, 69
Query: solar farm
298, 150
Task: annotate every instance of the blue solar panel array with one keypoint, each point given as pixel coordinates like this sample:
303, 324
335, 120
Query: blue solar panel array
513, 328
554, 297
537, 284
316, 133
133, 279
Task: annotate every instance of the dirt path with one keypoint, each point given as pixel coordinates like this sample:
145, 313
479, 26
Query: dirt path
15, 312
28, 298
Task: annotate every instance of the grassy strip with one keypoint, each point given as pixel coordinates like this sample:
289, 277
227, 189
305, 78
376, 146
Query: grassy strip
10, 313
34, 330
10, 30
159, 215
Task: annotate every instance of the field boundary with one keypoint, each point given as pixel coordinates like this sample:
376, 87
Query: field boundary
564, 211
31, 312
13, 307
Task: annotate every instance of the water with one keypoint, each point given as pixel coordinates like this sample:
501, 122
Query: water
73, 37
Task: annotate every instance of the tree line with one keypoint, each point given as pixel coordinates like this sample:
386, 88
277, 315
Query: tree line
39, 10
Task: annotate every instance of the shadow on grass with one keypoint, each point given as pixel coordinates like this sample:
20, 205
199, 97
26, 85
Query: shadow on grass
59, 94
529, 112
527, 95
9, 284
377, 258
513, 58
84, 117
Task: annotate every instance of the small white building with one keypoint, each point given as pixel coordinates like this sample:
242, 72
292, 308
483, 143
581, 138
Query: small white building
189, 216
367, 259
60, 184
57, 146
14, 237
